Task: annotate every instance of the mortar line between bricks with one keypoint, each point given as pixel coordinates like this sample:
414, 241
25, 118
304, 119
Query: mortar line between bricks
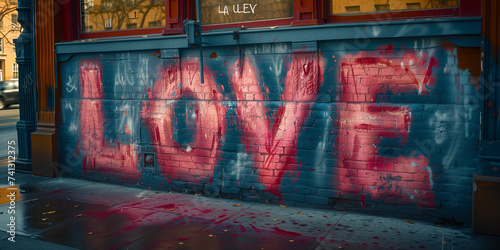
280, 101
314, 246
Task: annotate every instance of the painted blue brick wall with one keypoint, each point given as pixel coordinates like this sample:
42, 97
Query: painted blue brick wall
352, 142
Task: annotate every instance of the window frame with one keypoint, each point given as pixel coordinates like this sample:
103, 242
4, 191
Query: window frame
465, 8
318, 13
14, 23
74, 30
2, 46
15, 70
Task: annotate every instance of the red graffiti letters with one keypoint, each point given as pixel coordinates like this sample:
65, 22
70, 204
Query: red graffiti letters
100, 154
196, 161
273, 149
364, 126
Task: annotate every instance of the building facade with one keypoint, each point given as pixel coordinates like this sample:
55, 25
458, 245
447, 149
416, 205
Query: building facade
385, 110
9, 30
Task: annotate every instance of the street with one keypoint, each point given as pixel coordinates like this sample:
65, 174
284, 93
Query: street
8, 120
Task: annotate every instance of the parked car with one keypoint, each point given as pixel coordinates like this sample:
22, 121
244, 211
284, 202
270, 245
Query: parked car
9, 93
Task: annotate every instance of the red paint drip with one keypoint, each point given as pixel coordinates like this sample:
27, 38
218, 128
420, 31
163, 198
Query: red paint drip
254, 228
285, 233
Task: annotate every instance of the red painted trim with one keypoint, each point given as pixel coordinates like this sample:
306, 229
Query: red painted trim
175, 13
396, 15
75, 18
309, 12
470, 8
65, 21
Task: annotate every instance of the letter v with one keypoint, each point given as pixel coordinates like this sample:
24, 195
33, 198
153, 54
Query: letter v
273, 150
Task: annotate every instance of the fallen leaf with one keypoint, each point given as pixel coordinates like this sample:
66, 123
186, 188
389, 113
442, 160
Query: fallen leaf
44, 219
291, 240
239, 204
444, 242
409, 221
282, 206
276, 219
51, 212
90, 232
210, 235
172, 209
341, 247
197, 194
181, 243
213, 55
77, 205
225, 230
47, 205
439, 225
299, 213
78, 215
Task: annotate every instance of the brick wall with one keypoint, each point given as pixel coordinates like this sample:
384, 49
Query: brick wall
386, 126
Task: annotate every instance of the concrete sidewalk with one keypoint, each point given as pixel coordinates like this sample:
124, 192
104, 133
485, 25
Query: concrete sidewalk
68, 213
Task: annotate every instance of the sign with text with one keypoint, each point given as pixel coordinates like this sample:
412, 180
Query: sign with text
231, 11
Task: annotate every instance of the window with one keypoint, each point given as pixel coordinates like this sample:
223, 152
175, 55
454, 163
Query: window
352, 9
413, 6
221, 12
108, 23
382, 7
132, 26
15, 70
107, 18
151, 14
387, 10
15, 24
366, 7
130, 3
116, 14
107, 5
155, 24
1, 45
88, 4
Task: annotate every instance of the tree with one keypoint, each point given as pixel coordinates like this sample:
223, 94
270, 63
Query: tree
8, 11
